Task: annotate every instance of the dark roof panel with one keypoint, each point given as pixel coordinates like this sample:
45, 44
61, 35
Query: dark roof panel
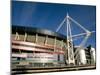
22, 30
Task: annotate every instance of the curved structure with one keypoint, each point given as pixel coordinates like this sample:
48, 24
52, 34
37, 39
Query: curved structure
93, 55
82, 56
37, 47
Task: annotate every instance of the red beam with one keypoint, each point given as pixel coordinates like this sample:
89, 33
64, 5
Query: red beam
36, 45
34, 49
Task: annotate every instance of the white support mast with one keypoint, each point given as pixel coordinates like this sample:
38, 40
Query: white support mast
69, 43
70, 48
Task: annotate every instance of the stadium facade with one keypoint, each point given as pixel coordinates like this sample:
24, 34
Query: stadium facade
37, 47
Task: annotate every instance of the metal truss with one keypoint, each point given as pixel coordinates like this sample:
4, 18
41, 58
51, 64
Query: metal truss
70, 37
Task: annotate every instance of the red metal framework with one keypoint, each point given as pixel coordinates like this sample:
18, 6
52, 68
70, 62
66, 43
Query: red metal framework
28, 46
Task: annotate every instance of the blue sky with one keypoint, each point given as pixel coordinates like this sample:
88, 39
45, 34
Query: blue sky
50, 15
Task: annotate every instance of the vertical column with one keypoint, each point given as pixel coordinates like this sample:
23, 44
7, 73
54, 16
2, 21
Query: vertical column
62, 45
55, 44
25, 36
36, 39
46, 40
17, 36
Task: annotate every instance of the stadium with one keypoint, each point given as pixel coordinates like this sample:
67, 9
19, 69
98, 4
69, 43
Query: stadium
45, 38
37, 47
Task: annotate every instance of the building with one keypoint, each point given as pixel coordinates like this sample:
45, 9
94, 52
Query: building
37, 47
85, 56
